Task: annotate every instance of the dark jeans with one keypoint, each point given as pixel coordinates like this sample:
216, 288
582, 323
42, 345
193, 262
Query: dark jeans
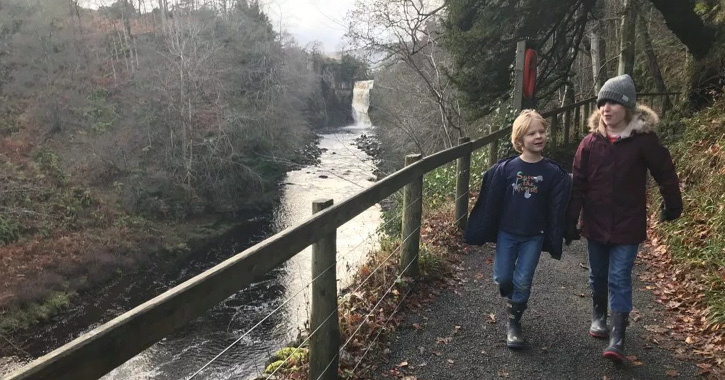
515, 263
610, 272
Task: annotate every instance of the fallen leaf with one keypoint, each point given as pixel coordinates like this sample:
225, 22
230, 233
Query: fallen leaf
632, 358
403, 364
421, 349
451, 361
492, 318
503, 373
410, 378
704, 366
437, 353
672, 373
637, 363
417, 326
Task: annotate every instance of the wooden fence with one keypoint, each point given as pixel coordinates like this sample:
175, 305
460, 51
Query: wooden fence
569, 123
99, 351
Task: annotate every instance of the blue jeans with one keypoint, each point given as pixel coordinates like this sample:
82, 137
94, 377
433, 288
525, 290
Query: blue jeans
610, 273
515, 263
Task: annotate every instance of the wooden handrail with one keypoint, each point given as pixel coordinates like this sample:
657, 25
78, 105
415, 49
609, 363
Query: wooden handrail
568, 107
97, 352
656, 93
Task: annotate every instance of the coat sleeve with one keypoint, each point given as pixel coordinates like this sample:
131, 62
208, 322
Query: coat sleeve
557, 206
579, 180
660, 165
482, 226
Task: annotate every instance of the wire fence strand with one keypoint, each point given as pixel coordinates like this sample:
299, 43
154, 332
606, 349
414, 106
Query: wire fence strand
281, 365
382, 262
387, 321
259, 323
367, 316
399, 213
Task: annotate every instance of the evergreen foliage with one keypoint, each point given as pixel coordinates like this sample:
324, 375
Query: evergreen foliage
481, 35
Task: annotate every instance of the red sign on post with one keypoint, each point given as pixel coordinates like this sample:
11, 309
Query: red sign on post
529, 73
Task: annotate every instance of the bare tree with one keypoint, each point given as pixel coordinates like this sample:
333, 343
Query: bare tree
409, 32
654, 67
627, 39
596, 53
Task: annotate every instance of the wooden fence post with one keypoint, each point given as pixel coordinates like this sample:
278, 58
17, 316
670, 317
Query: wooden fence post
412, 213
587, 112
518, 95
325, 341
577, 121
493, 153
567, 127
663, 99
554, 130
463, 168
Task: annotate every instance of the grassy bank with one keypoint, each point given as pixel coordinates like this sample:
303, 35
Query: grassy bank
60, 236
686, 257
697, 240
59, 270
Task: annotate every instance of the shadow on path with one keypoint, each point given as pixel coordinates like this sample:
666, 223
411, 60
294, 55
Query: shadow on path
555, 326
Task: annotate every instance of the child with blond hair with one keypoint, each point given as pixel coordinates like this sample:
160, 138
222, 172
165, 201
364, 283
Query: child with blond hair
521, 208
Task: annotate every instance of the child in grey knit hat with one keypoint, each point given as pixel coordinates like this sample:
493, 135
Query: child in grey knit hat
619, 89
609, 191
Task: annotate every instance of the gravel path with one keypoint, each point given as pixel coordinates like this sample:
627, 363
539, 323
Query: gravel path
456, 336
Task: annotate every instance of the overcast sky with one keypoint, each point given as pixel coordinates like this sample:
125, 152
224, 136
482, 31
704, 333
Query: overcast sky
306, 20
312, 20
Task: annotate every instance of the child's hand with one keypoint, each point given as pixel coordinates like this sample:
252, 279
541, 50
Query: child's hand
571, 233
667, 215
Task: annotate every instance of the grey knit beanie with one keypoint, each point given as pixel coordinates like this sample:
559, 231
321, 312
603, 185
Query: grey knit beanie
619, 89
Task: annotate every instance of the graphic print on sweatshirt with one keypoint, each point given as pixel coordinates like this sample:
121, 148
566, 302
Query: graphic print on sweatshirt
525, 206
527, 184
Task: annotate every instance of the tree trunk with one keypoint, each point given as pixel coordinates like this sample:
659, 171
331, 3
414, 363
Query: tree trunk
682, 20
596, 54
654, 66
162, 8
707, 78
627, 36
129, 37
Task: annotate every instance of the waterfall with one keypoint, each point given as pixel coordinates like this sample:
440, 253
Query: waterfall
361, 101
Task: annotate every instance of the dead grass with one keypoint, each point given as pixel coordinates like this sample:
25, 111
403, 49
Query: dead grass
376, 302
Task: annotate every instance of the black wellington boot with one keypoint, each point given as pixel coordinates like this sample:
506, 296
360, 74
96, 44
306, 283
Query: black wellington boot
615, 350
599, 329
514, 338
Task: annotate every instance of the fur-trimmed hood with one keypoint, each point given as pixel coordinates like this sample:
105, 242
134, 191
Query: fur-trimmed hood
645, 120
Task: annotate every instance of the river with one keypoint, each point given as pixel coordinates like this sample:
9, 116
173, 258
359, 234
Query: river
342, 171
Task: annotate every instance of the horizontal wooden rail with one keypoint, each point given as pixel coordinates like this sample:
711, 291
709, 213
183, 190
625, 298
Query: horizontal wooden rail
97, 352
572, 106
656, 93
567, 107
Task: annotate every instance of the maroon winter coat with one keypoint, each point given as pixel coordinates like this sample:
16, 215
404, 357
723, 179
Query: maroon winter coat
610, 180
